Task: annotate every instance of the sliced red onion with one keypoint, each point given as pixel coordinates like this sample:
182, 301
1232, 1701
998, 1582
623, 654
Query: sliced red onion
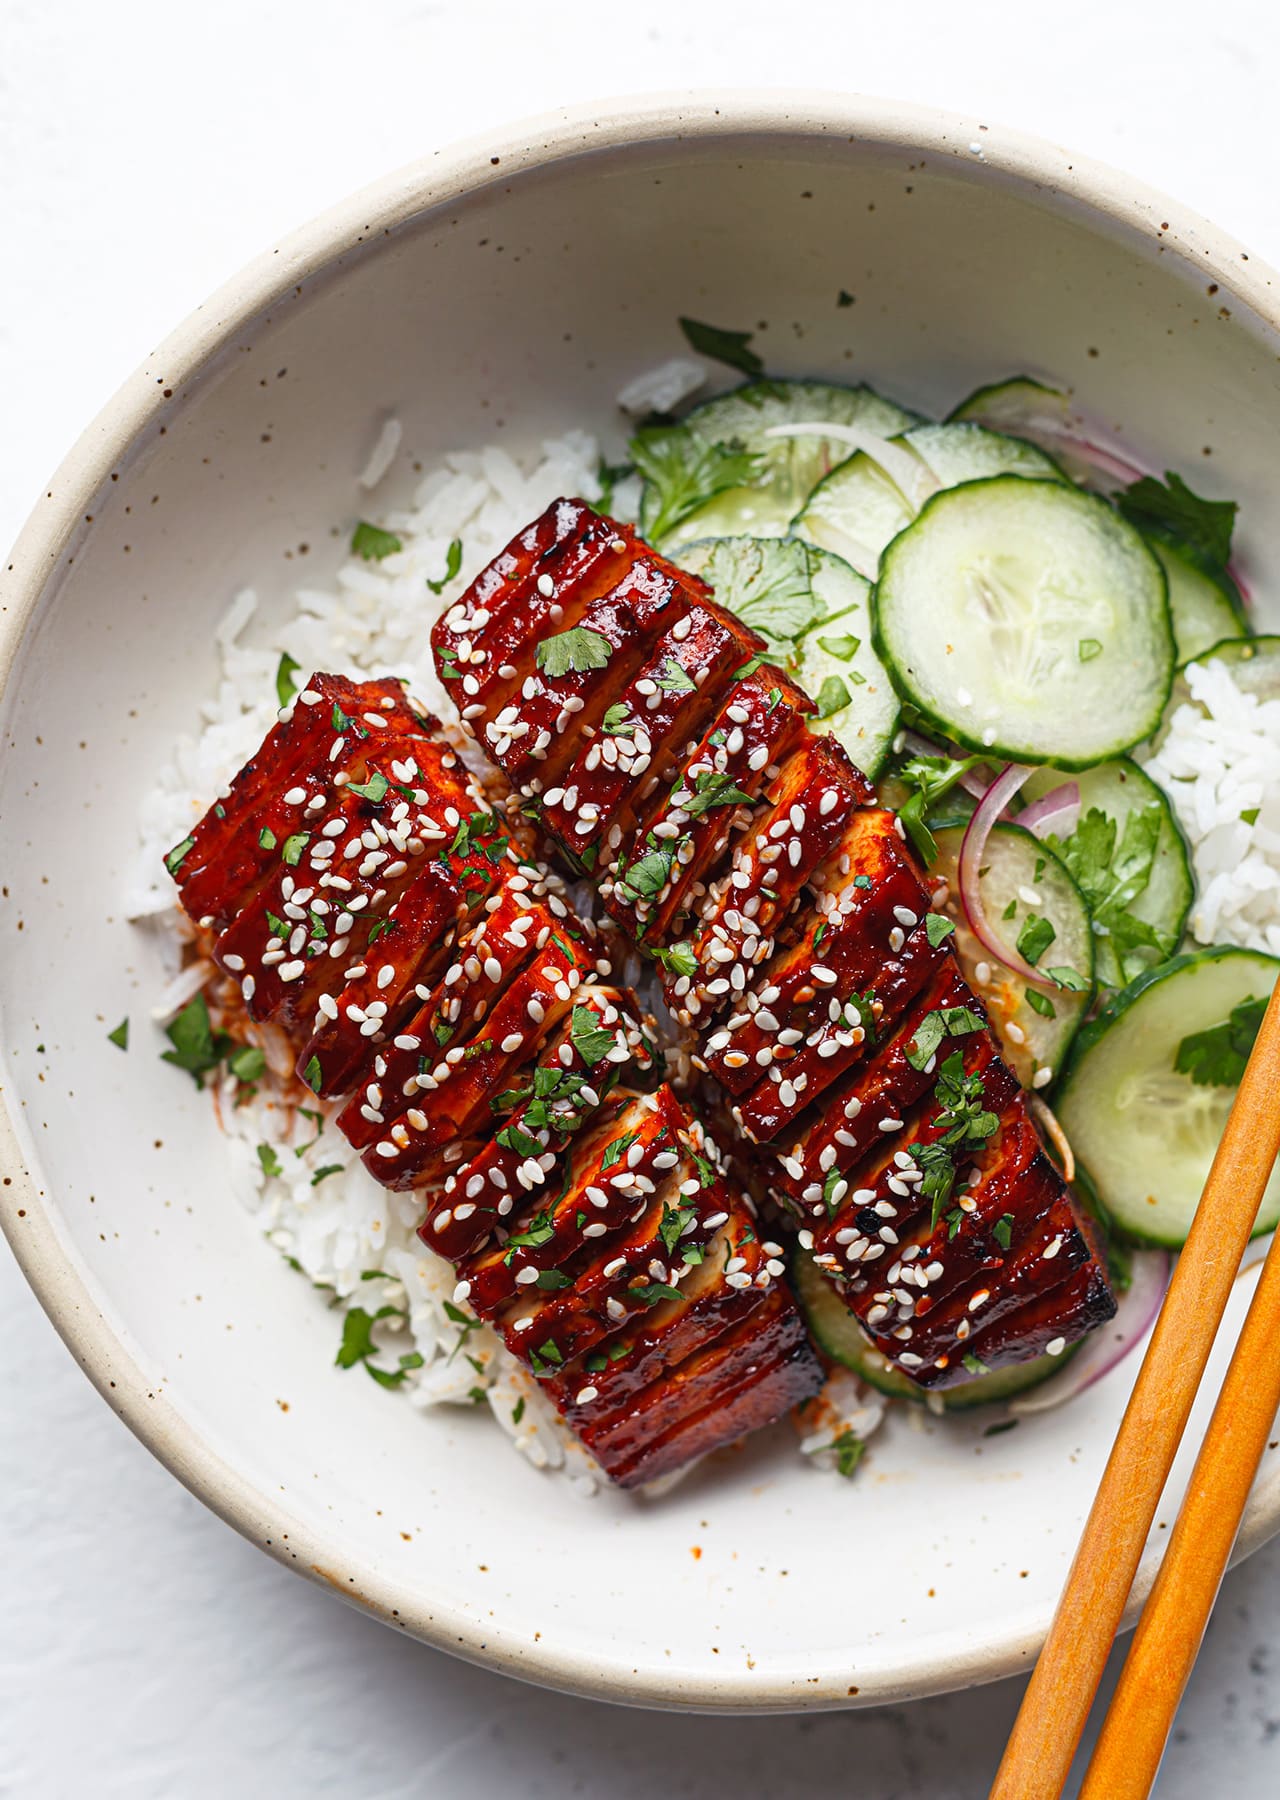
913, 477
988, 811
1057, 811
974, 782
1116, 468
1111, 1343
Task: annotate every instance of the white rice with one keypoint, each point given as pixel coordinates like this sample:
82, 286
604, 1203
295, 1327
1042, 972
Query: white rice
1221, 759
351, 1237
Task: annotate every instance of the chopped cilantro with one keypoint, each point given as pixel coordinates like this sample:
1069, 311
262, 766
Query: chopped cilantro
731, 347
937, 927
452, 563
194, 1047
1040, 1003
974, 1364
609, 475
120, 1036
849, 1449
833, 697
675, 1221
672, 678
512, 1138
615, 1151
650, 1293
590, 1039
1217, 1057
1088, 648
1010, 911
647, 876
322, 1174
712, 790
1035, 938
266, 838
929, 778
313, 1076
248, 1063
269, 1160
618, 722
553, 1278
833, 1180
842, 647
679, 959
1171, 511
517, 1411
372, 543
286, 686
1250, 815
178, 855
1112, 868
682, 473
574, 651
294, 846
1002, 1230
374, 789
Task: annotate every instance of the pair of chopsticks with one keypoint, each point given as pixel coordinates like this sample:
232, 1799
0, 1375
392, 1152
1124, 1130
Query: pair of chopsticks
1051, 1719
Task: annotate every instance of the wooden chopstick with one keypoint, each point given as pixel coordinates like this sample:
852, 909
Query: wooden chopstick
1167, 1641
1054, 1708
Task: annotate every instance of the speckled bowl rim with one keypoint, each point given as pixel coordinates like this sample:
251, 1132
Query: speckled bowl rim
1090, 191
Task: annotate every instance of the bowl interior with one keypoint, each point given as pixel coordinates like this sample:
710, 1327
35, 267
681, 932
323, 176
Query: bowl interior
509, 313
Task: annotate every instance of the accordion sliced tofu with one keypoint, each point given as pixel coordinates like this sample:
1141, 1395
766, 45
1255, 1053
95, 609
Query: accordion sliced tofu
741, 1382
563, 1093
321, 740
471, 1075
415, 965
810, 804
666, 702
688, 829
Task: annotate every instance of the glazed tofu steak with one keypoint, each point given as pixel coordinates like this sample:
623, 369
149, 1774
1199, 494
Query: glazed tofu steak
738, 845
366, 901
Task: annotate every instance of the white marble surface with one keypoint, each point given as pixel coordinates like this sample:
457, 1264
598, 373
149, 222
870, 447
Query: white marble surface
146, 149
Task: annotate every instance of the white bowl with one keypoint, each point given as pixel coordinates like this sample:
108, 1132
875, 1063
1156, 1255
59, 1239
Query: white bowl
507, 291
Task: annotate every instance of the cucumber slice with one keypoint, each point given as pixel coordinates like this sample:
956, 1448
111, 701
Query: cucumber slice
839, 1336
1144, 1132
1022, 880
855, 512
1121, 792
1204, 610
1020, 405
968, 452
789, 467
861, 507
1254, 664
815, 609
1026, 618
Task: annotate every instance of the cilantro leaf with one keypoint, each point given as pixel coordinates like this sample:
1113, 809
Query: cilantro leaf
769, 584
266, 838
1002, 1231
286, 686
1217, 1057
269, 1160
843, 648
929, 1034
616, 1150
1035, 938
194, 1047
313, 1076
617, 721
553, 1278
1111, 869
679, 959
452, 563
850, 1450
120, 1036
712, 790
833, 697
294, 846
574, 651
929, 779
1170, 511
590, 1039
372, 543
1088, 648
177, 856
682, 473
937, 927
731, 347
673, 678
675, 1221
374, 789
248, 1063
647, 876
1040, 1003
651, 1292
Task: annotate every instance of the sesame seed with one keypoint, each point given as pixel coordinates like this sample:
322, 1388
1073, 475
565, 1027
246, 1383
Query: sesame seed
1055, 1347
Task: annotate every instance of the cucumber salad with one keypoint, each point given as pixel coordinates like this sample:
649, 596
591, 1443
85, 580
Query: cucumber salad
1042, 655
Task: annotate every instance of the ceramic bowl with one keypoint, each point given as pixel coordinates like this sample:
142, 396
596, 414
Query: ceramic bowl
506, 291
